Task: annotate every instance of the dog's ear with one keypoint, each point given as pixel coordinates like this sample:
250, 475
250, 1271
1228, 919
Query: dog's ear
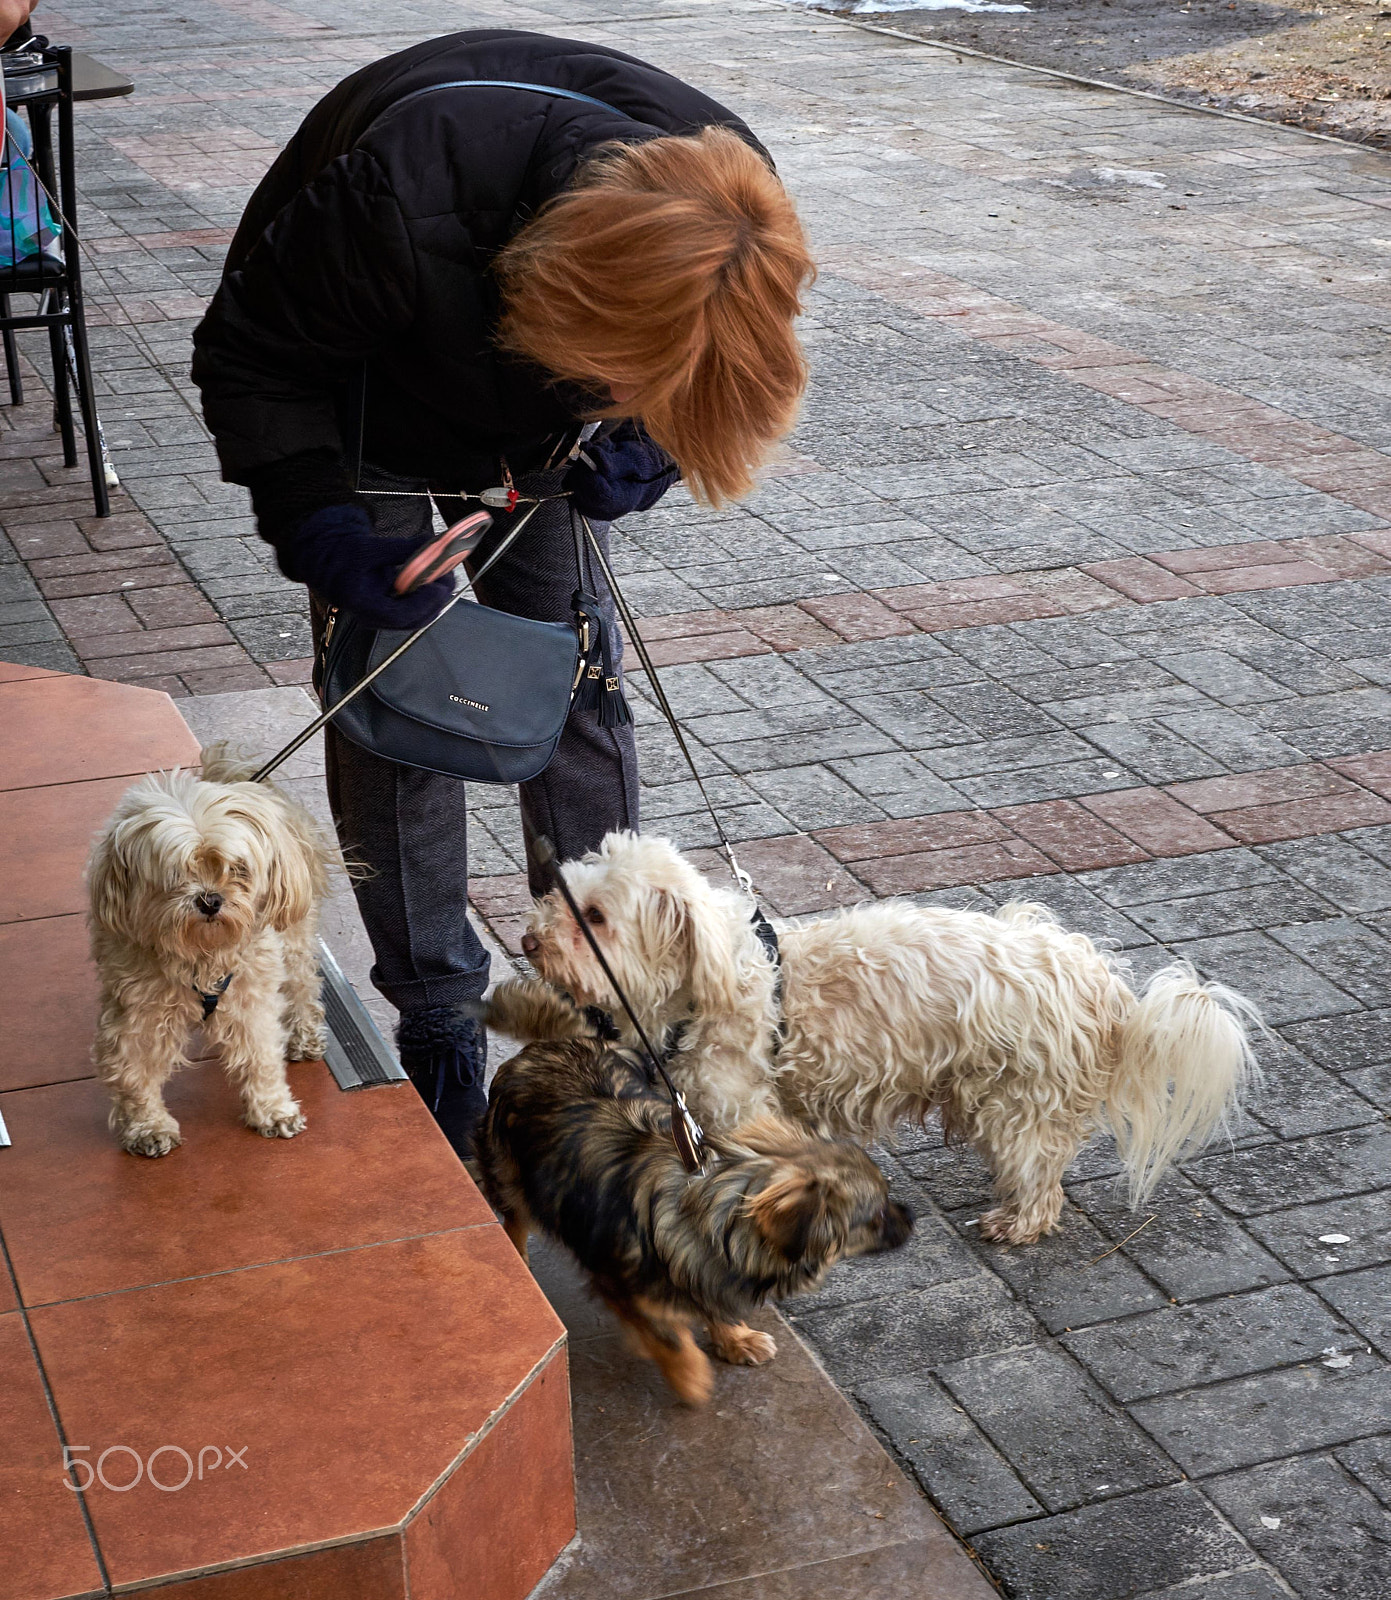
295, 876
701, 922
796, 1213
109, 886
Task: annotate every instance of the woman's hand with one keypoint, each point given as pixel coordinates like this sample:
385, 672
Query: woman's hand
343, 561
625, 472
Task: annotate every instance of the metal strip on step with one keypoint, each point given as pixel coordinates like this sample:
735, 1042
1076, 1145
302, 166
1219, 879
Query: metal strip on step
4, 1135
357, 1055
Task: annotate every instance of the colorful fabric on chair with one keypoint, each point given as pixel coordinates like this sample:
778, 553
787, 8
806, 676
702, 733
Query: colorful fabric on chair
27, 225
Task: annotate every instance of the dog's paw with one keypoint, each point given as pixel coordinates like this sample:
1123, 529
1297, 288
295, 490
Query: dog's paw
1004, 1226
306, 1044
742, 1346
151, 1141
283, 1124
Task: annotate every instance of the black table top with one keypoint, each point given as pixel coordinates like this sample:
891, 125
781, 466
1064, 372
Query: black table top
91, 80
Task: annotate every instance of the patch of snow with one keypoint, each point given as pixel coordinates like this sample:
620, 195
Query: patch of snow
867, 8
1144, 180
870, 7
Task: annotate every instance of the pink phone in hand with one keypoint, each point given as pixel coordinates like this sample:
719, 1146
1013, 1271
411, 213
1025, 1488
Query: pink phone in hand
440, 556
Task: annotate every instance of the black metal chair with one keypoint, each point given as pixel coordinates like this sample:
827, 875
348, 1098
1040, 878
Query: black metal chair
41, 81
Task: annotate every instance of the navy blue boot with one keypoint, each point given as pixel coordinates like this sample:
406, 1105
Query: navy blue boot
445, 1055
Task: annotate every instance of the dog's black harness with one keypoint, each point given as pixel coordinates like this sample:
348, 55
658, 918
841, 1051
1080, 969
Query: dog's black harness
768, 938
210, 997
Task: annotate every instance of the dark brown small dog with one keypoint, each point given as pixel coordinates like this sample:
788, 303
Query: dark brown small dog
578, 1144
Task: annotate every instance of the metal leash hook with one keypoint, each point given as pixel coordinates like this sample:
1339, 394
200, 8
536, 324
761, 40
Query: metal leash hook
686, 1132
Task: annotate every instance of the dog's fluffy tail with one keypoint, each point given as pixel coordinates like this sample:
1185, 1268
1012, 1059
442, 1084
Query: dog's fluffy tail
1184, 1064
529, 1010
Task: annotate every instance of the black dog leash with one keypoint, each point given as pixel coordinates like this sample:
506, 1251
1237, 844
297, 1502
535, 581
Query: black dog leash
767, 934
686, 1132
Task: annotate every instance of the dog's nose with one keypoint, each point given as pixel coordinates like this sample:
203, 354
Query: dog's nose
898, 1225
530, 944
209, 904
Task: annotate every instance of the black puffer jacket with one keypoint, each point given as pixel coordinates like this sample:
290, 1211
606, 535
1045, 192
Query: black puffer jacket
367, 249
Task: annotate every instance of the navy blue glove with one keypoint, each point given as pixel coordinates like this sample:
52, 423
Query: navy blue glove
630, 473
337, 554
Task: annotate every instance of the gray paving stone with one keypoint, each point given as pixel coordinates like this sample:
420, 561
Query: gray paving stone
958, 1466
799, 749
1357, 1040
1296, 1097
1067, 1442
1236, 741
1252, 1583
1072, 1277
1130, 1546
1347, 952
1295, 1235
1321, 1167
1331, 1536
1180, 1346
1369, 1460
1192, 1249
1223, 677
1203, 916
1077, 908
1335, 868
1373, 1084
899, 784
813, 797
1284, 987
915, 1332
1364, 1298
1089, 776
1270, 1415
955, 1176
1150, 881
1153, 751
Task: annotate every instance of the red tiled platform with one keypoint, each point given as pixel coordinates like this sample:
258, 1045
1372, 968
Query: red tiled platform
341, 1308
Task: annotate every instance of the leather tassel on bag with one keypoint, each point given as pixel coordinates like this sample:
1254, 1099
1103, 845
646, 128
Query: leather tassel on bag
614, 711
600, 687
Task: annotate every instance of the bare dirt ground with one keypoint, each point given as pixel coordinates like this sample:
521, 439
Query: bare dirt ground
1319, 64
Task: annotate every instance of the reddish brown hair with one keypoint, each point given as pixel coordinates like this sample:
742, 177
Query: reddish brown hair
676, 268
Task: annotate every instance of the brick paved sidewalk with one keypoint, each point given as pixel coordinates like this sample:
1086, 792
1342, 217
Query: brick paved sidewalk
1072, 584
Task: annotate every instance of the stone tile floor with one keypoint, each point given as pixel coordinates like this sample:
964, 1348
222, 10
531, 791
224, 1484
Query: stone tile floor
1073, 583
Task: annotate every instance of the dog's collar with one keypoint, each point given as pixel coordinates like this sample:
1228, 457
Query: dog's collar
210, 997
603, 1023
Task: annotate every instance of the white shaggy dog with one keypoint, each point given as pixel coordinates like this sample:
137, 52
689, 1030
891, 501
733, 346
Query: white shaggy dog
1022, 1036
205, 892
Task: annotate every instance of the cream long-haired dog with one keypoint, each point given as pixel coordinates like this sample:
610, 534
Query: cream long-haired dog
205, 892
1023, 1037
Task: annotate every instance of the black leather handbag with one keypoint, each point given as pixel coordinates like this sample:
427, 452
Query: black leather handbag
479, 694
482, 695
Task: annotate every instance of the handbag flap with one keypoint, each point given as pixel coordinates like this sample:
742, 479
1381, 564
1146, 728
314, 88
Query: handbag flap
483, 674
